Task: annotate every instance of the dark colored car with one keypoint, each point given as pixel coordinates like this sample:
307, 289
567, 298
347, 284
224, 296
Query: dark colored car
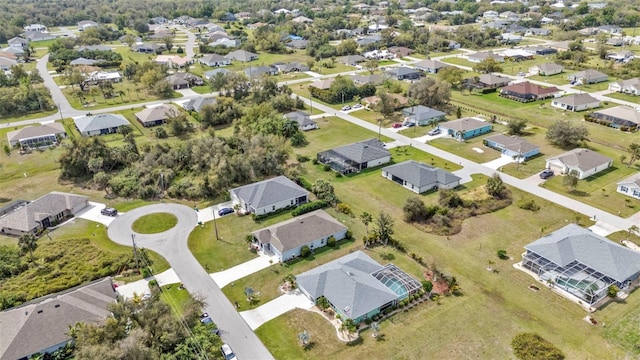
109, 212
435, 131
545, 174
409, 124
207, 320
225, 211
396, 125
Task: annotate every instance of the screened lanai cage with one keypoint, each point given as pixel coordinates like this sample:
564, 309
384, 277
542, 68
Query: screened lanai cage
397, 281
577, 279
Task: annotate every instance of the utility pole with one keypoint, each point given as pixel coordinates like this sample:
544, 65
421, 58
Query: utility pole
215, 224
135, 251
60, 110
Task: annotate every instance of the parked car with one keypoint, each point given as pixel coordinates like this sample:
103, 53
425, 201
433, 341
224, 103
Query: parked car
357, 106
207, 320
408, 124
435, 131
225, 211
226, 351
109, 212
346, 108
545, 174
521, 73
396, 125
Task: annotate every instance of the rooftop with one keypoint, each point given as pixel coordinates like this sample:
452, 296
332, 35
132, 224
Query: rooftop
270, 191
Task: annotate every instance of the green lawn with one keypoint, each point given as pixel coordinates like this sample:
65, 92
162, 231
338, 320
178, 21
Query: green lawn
302, 89
176, 298
557, 79
154, 223
132, 93
625, 97
459, 61
466, 148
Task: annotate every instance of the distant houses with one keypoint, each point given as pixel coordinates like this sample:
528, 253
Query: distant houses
355, 157
419, 177
581, 162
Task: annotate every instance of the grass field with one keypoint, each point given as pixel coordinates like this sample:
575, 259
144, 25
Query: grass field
154, 223
175, 297
625, 97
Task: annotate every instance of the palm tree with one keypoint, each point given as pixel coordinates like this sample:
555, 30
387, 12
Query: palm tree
366, 219
289, 128
633, 230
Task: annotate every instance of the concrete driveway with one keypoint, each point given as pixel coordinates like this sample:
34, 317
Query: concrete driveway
206, 214
276, 307
92, 213
172, 245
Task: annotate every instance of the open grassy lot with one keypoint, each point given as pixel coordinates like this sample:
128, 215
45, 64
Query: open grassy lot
126, 92
599, 190
625, 97
154, 223
458, 60
375, 117
557, 79
514, 67
176, 298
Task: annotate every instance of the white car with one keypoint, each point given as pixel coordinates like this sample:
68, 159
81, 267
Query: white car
357, 106
227, 353
346, 108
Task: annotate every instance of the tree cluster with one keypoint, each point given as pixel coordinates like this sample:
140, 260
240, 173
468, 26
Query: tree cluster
565, 134
531, 346
106, 59
342, 90
430, 92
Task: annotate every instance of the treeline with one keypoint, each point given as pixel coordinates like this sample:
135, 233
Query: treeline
21, 100
106, 58
342, 89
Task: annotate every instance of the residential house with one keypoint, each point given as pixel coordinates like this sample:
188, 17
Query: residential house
242, 55
98, 77
269, 195
465, 128
297, 44
561, 45
302, 20
41, 326
510, 38
490, 14
403, 73
630, 186
379, 55
94, 48
419, 177
610, 29
208, 75
582, 265
18, 42
173, 61
526, 92
581, 162
149, 48
160, 34
6, 63
370, 79
400, 51
544, 50
83, 62
287, 238
356, 157
102, 124
588, 76
12, 52
35, 28
38, 36
484, 55
576, 102
159, 20
258, 71
422, 115
42, 213
431, 66
183, 80
619, 117
493, 81
537, 32
630, 86
226, 42
399, 101
286, 68
546, 69
624, 56
214, 60
156, 115
514, 147
517, 54
351, 60
368, 40
35, 137
323, 84
86, 24
356, 287
303, 119
197, 103
615, 41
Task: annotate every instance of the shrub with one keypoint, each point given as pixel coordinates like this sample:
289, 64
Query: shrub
344, 208
146, 273
528, 204
530, 346
304, 183
326, 167
331, 241
305, 251
314, 161
427, 285
502, 254
153, 284
338, 174
308, 207
302, 158
612, 291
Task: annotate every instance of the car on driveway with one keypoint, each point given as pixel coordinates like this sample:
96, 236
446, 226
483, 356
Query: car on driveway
227, 353
225, 211
409, 124
357, 106
396, 125
546, 173
109, 212
435, 131
346, 108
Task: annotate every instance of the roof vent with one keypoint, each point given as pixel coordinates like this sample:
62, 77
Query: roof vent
40, 311
56, 306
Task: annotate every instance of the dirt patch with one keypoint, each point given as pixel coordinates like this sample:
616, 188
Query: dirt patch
440, 285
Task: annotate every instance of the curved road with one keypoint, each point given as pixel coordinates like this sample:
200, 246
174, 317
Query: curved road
172, 245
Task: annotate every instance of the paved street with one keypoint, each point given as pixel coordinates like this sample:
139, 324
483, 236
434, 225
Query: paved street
172, 245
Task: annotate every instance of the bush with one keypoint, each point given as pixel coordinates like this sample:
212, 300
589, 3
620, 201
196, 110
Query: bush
331, 241
326, 167
309, 207
344, 208
305, 251
502, 254
153, 284
528, 204
304, 183
348, 235
302, 158
146, 272
530, 346
314, 161
427, 285
338, 174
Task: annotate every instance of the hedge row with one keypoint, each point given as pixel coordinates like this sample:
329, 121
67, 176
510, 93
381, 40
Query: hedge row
309, 207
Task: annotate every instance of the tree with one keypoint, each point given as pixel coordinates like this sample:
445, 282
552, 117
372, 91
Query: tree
125, 130
566, 135
570, 181
502, 254
487, 66
387, 104
530, 346
383, 228
28, 243
427, 286
458, 112
304, 338
612, 291
7, 150
366, 219
452, 75
634, 153
371, 65
430, 92
324, 191
516, 126
495, 187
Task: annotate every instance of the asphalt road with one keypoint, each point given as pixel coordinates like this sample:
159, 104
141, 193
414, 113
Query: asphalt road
172, 245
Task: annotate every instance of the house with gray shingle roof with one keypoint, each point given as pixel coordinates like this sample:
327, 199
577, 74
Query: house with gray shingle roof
629, 86
576, 102
419, 177
465, 128
582, 162
582, 264
214, 60
197, 103
546, 69
269, 195
356, 286
37, 136
589, 76
356, 157
619, 117
431, 66
303, 119
484, 55
42, 213
286, 239
242, 55
101, 124
422, 115
351, 60
512, 146
156, 115
42, 325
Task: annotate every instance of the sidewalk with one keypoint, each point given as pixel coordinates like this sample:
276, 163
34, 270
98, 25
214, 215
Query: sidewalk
276, 307
225, 277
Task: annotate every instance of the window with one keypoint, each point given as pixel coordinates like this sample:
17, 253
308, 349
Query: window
623, 189
273, 207
636, 193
